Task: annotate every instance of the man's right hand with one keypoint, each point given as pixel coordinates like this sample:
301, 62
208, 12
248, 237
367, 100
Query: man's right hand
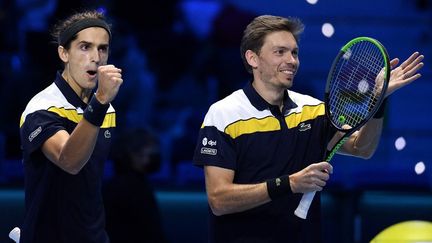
311, 178
109, 81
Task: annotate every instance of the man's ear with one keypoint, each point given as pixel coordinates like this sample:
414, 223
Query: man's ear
63, 54
251, 58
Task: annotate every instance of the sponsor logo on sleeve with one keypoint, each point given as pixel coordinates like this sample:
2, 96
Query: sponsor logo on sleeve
34, 134
208, 142
211, 143
209, 151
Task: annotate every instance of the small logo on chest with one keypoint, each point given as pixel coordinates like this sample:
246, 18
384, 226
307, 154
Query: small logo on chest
107, 134
304, 127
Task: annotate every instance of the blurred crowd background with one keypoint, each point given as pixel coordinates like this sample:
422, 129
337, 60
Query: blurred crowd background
180, 56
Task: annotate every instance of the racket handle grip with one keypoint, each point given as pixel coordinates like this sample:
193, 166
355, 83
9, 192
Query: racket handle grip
15, 234
303, 207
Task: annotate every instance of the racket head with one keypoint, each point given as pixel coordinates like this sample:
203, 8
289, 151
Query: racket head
356, 83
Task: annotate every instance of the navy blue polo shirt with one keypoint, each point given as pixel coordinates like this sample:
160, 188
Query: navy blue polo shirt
60, 207
244, 133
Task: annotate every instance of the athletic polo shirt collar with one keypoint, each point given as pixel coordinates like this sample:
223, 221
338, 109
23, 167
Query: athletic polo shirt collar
261, 104
68, 92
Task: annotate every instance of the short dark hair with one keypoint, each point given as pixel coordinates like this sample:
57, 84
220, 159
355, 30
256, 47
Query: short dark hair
260, 27
65, 24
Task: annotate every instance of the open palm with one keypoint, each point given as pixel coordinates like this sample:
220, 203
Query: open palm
405, 73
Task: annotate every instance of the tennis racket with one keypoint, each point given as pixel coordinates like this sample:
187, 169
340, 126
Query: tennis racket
354, 91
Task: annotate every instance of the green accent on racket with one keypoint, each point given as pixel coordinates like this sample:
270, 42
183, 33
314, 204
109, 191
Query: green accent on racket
342, 119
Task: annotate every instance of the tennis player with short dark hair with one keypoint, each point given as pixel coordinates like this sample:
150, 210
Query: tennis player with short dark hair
262, 147
65, 135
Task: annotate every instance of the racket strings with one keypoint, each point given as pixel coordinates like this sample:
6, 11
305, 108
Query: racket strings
355, 85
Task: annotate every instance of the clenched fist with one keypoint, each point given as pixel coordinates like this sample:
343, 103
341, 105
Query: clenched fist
109, 81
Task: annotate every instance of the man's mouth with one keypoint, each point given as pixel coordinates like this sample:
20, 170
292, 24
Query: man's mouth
92, 73
288, 72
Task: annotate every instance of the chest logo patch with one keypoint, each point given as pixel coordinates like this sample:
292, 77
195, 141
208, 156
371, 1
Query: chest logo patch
107, 134
304, 127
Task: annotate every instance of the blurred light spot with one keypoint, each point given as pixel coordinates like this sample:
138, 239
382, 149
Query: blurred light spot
327, 30
102, 9
363, 86
400, 143
16, 63
312, 1
420, 168
199, 16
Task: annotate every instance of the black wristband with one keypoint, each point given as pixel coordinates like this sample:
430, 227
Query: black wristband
381, 110
278, 187
95, 112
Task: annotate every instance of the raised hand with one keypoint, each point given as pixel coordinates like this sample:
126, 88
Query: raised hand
109, 81
405, 73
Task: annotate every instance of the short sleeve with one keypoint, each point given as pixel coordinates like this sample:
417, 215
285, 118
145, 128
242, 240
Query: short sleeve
214, 148
37, 128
